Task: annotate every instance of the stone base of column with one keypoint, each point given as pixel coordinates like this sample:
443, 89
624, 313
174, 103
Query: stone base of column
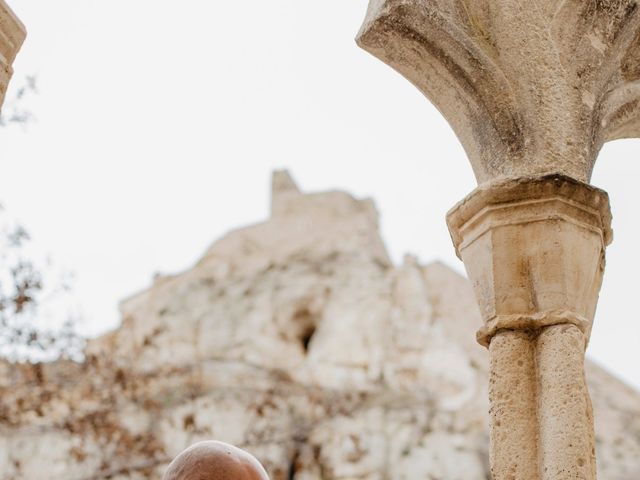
534, 251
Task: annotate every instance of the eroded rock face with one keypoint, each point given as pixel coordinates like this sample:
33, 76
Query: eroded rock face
297, 340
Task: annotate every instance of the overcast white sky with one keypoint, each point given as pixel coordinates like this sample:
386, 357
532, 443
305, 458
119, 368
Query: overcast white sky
159, 122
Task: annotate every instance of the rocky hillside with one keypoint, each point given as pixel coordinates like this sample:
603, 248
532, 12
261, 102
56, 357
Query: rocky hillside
298, 340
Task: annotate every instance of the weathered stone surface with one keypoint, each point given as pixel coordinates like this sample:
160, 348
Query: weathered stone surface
12, 34
531, 87
297, 340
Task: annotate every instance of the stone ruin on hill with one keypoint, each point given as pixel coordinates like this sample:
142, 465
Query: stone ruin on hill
298, 340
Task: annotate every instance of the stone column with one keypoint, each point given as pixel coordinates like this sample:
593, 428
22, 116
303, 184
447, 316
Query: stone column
12, 34
532, 90
534, 251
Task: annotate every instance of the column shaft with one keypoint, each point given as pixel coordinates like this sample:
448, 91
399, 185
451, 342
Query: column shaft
513, 407
566, 420
540, 412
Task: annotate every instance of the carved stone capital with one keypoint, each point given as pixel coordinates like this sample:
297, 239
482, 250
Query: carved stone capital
12, 35
534, 251
530, 87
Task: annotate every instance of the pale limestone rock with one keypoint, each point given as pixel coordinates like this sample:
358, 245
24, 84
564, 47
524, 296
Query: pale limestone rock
315, 354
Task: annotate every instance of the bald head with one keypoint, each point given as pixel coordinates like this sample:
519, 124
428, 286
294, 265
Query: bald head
215, 461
